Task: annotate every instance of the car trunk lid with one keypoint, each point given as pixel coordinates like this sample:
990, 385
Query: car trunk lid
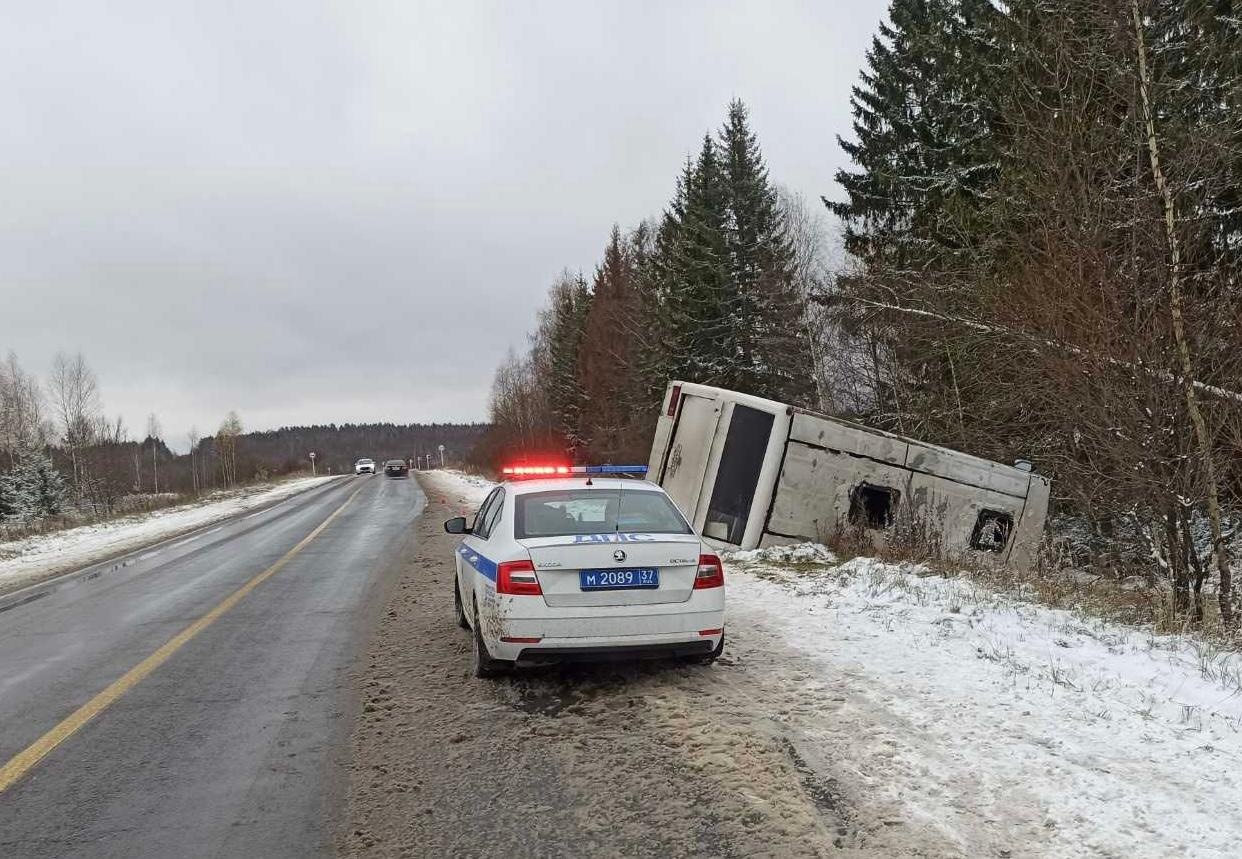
559, 561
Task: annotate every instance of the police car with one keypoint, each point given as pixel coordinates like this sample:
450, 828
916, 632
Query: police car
580, 563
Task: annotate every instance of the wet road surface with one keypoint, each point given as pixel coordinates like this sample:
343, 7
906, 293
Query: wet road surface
234, 743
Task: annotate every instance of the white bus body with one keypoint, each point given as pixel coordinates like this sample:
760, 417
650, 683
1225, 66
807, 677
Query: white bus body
749, 472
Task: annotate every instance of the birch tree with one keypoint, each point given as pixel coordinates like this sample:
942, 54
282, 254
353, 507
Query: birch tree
74, 392
153, 434
1204, 443
192, 439
22, 422
226, 448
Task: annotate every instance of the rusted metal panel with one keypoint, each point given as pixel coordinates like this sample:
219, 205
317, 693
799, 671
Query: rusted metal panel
1030, 529
952, 510
813, 491
971, 470
823, 432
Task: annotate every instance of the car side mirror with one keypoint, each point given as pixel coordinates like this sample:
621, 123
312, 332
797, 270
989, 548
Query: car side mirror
456, 525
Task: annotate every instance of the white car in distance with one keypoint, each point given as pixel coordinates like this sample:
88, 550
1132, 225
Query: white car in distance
570, 563
364, 466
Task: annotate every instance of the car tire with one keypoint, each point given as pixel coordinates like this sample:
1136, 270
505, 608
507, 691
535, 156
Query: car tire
459, 610
484, 665
708, 658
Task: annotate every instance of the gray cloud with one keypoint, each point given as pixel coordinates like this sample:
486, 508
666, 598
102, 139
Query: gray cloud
332, 212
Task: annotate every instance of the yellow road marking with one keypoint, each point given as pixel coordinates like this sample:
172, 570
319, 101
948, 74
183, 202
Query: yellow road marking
24, 761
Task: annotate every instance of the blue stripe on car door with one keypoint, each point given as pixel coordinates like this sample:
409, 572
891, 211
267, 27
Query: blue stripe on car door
486, 566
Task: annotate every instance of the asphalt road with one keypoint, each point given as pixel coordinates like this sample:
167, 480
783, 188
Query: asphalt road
234, 742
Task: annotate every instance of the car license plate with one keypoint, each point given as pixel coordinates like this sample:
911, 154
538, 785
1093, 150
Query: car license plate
619, 580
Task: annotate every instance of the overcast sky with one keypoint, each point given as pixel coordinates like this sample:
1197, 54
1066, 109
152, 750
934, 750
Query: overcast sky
350, 211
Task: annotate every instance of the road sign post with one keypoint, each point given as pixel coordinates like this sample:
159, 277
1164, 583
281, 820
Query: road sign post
442, 456
312, 459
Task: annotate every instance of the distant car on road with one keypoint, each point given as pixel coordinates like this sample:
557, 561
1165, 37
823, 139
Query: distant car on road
567, 563
364, 466
396, 468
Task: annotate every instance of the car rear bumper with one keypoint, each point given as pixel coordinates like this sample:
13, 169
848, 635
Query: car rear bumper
596, 649
552, 654
548, 633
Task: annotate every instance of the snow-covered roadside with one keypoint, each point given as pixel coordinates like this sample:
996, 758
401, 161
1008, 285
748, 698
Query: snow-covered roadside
1004, 727
458, 487
25, 561
951, 720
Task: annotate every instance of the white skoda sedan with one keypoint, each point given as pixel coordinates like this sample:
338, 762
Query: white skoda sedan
577, 563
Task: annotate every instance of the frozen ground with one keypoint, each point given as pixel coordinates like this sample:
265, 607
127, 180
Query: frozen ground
1003, 725
927, 716
31, 559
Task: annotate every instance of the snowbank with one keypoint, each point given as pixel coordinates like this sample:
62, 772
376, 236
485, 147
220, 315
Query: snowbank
26, 561
1003, 725
465, 491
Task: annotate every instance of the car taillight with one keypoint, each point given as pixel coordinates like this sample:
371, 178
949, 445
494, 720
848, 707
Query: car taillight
710, 573
517, 578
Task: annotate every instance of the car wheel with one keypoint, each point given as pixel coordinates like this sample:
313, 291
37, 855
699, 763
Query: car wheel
484, 665
459, 611
708, 658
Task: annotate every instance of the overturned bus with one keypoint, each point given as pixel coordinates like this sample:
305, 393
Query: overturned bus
750, 472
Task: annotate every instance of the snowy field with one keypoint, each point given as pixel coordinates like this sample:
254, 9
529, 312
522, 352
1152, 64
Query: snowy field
958, 721
25, 561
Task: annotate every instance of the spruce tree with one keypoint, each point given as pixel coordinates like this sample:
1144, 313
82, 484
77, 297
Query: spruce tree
34, 489
924, 117
606, 357
50, 491
773, 354
565, 318
700, 300
929, 143
8, 497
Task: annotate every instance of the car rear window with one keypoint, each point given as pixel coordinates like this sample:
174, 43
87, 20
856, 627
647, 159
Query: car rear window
565, 512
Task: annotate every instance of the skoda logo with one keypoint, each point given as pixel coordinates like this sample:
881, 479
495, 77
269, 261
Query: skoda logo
618, 555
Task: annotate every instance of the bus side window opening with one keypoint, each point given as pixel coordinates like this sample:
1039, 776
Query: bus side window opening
873, 506
992, 530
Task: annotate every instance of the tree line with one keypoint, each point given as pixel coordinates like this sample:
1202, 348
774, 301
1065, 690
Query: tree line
713, 291
338, 446
61, 456
1044, 225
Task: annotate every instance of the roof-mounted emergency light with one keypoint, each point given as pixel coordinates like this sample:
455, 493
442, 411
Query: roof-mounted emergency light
568, 470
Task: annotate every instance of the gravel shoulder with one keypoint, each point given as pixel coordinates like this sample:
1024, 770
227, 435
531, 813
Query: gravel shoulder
647, 759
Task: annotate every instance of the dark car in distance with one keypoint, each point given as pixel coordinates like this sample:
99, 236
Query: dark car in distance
396, 468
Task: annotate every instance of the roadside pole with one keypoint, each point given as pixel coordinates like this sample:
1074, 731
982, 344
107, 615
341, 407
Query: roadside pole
314, 472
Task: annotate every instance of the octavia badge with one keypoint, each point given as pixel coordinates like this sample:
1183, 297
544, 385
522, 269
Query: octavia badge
618, 555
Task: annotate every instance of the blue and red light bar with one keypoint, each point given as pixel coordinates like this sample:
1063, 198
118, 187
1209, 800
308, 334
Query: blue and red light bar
569, 470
